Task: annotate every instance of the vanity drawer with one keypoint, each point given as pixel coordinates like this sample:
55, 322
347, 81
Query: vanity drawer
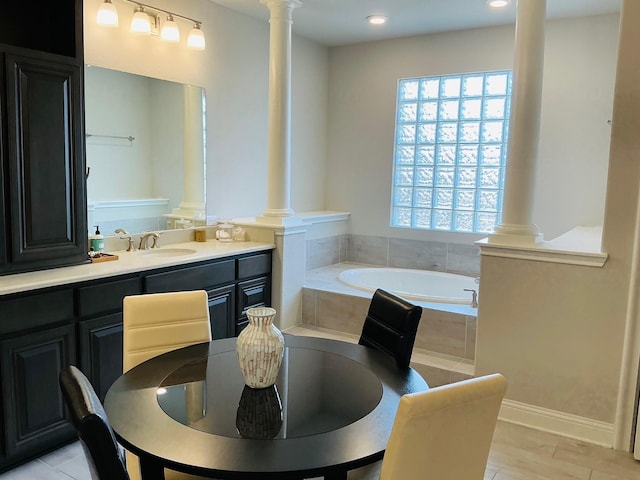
253, 293
34, 310
254, 265
105, 297
192, 278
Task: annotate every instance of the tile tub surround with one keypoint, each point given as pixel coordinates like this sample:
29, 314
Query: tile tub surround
393, 252
444, 350
325, 251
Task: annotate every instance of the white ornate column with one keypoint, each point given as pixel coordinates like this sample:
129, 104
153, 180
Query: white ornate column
289, 235
278, 209
193, 149
193, 203
517, 227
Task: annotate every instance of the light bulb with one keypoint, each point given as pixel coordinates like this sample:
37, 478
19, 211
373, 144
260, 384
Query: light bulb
107, 14
196, 38
140, 22
170, 31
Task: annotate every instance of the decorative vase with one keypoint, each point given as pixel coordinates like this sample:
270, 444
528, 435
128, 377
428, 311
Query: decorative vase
260, 348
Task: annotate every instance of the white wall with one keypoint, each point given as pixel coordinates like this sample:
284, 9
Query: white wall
566, 335
234, 72
577, 102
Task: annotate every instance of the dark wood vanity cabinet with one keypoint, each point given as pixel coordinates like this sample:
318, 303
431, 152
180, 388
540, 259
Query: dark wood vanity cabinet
222, 311
99, 308
38, 338
43, 187
233, 285
251, 293
44, 330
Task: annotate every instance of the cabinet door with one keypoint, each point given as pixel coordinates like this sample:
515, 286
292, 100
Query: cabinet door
33, 407
222, 311
101, 351
45, 156
251, 293
59, 26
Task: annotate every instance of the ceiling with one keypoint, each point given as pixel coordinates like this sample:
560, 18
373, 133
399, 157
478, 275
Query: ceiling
342, 22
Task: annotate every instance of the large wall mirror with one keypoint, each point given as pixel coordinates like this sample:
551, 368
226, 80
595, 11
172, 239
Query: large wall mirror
145, 152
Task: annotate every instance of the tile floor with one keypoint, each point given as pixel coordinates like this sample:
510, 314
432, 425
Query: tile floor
517, 453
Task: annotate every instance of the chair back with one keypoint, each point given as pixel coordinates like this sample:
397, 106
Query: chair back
391, 326
157, 323
444, 433
92, 426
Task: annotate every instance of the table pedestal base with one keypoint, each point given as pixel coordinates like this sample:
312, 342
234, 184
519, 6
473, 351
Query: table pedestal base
336, 476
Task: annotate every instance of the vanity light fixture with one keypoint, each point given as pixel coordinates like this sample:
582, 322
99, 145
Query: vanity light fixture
146, 20
170, 31
140, 22
377, 19
107, 14
196, 38
498, 3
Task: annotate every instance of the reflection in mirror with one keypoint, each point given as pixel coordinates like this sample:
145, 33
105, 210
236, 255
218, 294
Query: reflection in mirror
145, 152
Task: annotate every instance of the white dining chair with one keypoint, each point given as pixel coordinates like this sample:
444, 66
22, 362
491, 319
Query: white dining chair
444, 433
158, 323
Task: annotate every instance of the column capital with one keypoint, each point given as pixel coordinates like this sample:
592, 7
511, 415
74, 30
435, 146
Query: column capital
281, 4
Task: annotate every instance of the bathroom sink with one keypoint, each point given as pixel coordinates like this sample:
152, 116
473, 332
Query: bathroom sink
166, 252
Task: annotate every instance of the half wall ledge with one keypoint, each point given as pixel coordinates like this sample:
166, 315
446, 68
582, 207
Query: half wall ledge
579, 246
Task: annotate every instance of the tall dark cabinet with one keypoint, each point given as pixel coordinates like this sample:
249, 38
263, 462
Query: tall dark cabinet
42, 215
42, 174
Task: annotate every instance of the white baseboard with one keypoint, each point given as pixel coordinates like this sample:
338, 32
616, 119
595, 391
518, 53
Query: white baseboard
552, 421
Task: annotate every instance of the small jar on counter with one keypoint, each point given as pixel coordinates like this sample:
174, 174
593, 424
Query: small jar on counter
224, 232
238, 234
200, 234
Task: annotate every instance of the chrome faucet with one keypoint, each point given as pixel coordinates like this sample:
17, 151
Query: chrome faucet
474, 297
128, 238
144, 240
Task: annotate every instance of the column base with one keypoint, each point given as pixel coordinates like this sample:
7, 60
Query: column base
187, 215
520, 235
279, 220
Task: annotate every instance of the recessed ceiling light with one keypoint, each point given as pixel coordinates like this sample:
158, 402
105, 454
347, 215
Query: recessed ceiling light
377, 19
498, 3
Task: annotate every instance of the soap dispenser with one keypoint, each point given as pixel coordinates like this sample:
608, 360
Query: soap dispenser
97, 241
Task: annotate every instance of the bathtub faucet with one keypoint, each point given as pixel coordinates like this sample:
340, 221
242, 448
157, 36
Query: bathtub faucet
474, 297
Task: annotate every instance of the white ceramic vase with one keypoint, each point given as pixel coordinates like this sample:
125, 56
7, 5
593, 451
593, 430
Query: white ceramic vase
260, 348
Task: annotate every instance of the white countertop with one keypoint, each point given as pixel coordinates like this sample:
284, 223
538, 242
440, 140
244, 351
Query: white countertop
128, 262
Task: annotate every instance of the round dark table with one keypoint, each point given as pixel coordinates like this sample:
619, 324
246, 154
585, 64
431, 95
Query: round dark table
330, 411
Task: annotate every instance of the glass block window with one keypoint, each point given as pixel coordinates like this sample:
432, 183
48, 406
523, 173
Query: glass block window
450, 152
